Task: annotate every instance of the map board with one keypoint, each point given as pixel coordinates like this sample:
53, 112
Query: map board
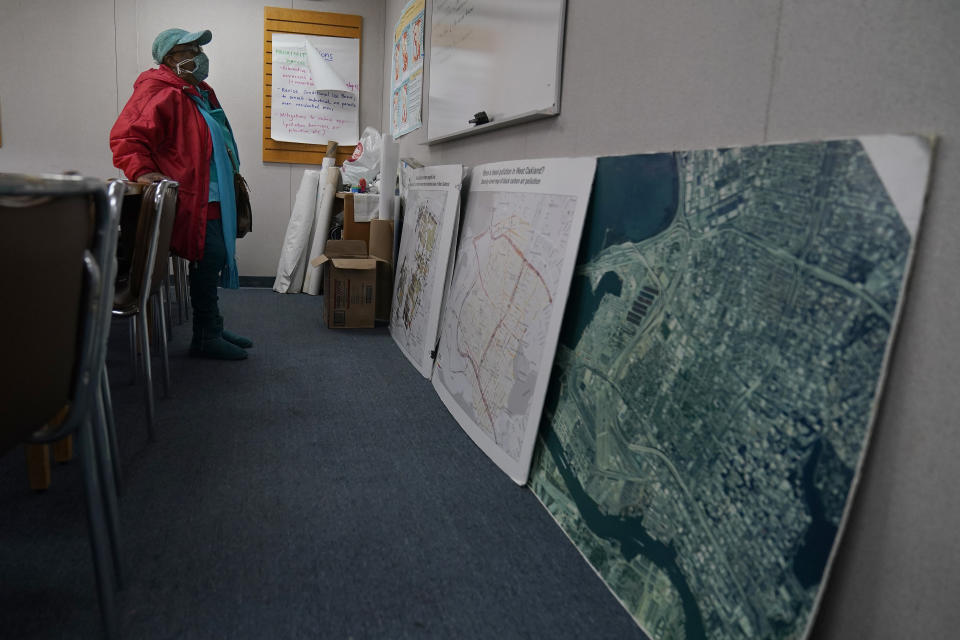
719, 368
426, 243
501, 318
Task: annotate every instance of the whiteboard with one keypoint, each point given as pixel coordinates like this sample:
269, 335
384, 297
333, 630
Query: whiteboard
503, 57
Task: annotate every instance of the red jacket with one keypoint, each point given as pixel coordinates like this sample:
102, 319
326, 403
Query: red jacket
161, 129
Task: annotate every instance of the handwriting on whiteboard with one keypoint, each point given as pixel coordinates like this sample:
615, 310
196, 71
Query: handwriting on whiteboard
449, 32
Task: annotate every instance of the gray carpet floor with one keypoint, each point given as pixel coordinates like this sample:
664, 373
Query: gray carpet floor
319, 489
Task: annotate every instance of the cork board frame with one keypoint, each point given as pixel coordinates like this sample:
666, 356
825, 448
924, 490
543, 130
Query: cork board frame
313, 23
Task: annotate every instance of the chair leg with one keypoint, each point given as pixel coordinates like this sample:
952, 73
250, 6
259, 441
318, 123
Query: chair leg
133, 350
148, 378
165, 361
107, 403
165, 290
98, 531
38, 466
152, 324
63, 449
108, 484
185, 280
176, 288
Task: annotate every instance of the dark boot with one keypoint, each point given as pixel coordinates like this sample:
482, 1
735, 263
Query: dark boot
208, 342
233, 338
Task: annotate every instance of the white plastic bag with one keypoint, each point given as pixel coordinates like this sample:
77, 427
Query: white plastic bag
365, 161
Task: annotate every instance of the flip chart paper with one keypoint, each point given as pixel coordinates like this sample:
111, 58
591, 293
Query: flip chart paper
315, 89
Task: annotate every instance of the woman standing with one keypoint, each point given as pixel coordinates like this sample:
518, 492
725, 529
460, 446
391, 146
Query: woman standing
173, 126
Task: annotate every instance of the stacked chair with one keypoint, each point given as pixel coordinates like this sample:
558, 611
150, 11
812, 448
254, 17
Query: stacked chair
147, 281
58, 234
181, 287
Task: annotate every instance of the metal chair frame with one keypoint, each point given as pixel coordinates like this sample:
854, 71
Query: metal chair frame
181, 287
139, 325
84, 417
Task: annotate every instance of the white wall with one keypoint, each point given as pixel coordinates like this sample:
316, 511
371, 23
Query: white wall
686, 74
69, 67
57, 86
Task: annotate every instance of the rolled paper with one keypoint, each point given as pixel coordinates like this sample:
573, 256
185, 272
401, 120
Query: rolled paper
389, 160
293, 253
329, 180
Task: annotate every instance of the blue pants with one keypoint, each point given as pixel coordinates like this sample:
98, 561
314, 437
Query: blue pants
205, 277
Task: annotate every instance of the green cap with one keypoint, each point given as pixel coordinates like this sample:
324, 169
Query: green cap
169, 38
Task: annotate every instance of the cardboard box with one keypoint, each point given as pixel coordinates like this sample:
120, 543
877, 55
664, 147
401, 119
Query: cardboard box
353, 229
349, 284
360, 227
381, 239
381, 246
378, 236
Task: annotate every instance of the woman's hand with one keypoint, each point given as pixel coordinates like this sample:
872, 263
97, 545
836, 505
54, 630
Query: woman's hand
149, 178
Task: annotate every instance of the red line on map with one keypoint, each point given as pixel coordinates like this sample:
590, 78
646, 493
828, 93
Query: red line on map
476, 369
526, 262
466, 354
493, 333
476, 252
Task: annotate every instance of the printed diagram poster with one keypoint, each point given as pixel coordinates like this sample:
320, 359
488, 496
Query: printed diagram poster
718, 373
406, 79
316, 89
502, 313
429, 229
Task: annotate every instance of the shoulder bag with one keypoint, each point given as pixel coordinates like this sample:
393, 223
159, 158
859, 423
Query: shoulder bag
244, 210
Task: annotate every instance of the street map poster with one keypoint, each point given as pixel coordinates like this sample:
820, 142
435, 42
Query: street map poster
406, 79
424, 261
502, 315
720, 363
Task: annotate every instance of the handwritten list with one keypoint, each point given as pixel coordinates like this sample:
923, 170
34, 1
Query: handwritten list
315, 89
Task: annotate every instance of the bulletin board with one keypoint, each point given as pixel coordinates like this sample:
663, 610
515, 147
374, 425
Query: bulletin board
314, 23
498, 56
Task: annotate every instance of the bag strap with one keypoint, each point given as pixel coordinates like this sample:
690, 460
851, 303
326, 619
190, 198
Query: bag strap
233, 161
